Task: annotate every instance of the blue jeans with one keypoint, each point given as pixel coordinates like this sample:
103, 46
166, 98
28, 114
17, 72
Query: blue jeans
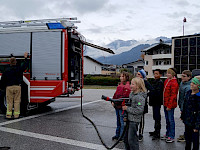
170, 124
131, 137
120, 122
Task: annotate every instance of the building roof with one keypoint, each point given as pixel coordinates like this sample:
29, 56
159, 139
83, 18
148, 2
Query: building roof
154, 46
186, 36
135, 62
93, 60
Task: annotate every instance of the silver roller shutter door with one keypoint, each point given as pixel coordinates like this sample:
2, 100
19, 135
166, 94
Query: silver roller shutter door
15, 43
46, 55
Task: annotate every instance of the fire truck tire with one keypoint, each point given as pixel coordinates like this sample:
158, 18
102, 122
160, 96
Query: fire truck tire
3, 105
24, 100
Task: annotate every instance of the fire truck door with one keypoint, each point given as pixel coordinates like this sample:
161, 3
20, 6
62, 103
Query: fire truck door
46, 55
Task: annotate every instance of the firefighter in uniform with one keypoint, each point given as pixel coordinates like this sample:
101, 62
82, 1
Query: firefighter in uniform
11, 80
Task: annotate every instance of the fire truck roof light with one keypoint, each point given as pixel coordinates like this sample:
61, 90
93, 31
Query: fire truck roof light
55, 26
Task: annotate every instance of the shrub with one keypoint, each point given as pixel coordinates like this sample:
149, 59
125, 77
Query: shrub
107, 81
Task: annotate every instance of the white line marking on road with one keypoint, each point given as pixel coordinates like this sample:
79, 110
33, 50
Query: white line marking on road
44, 114
49, 137
55, 139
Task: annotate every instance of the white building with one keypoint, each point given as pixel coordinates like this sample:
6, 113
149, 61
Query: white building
91, 66
135, 66
158, 56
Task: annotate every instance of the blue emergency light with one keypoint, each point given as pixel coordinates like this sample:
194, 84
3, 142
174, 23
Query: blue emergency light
55, 26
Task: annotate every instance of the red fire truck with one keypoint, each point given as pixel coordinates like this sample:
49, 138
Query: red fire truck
55, 60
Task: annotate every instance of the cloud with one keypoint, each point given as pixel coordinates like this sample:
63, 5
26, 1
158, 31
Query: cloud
175, 15
182, 3
88, 6
23, 8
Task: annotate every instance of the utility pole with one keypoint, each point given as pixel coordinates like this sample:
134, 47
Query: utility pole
184, 20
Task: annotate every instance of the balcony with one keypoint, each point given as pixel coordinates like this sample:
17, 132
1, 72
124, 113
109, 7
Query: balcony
161, 67
161, 56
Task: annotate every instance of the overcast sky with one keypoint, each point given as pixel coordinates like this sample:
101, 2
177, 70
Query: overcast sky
103, 21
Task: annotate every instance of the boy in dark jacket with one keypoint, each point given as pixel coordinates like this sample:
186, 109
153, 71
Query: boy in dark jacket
156, 100
183, 88
191, 115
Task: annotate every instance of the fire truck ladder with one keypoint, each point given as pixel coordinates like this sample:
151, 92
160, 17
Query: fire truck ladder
66, 22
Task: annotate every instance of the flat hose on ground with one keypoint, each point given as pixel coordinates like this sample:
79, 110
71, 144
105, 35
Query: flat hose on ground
124, 131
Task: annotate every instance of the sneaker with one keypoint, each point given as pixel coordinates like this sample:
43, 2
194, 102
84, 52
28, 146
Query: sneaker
181, 138
156, 137
152, 133
169, 140
140, 138
115, 138
164, 137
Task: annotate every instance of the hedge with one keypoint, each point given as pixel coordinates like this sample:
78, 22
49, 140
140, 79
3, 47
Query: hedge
109, 81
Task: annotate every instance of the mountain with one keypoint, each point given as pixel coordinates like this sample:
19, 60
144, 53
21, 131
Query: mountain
120, 43
125, 57
125, 51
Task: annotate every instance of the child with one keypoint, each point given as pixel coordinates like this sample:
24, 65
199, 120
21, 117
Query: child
142, 74
135, 112
156, 100
123, 90
191, 114
170, 103
183, 88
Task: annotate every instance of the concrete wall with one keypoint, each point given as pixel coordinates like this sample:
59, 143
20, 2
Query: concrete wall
148, 68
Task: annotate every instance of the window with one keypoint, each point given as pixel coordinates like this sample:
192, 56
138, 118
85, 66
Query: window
177, 51
185, 42
168, 51
184, 60
192, 50
192, 41
146, 63
156, 63
177, 60
178, 43
185, 51
177, 68
184, 67
192, 59
198, 41
167, 62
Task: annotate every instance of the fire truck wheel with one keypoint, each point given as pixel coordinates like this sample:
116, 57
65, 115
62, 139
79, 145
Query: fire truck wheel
24, 100
3, 104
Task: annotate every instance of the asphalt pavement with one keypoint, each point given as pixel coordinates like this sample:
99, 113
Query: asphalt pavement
61, 126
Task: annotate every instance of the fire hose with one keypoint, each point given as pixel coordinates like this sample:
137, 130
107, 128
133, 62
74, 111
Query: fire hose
124, 101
